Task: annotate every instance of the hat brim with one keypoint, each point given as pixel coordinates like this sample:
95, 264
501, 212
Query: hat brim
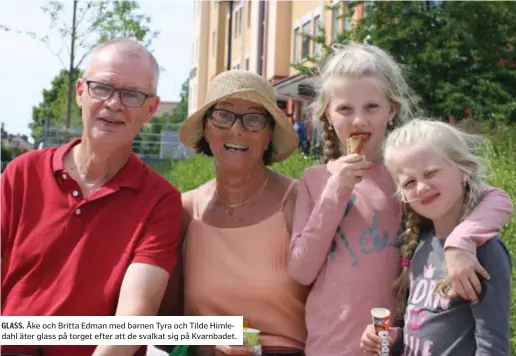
284, 137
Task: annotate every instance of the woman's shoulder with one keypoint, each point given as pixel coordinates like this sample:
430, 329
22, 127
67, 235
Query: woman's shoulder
493, 249
189, 197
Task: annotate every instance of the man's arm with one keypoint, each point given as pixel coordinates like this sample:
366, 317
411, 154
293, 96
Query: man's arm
147, 277
141, 293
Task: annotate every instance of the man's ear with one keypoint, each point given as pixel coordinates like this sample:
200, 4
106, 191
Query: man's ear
153, 107
80, 88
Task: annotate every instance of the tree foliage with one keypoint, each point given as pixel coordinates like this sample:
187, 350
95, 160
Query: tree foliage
96, 21
53, 106
459, 56
147, 142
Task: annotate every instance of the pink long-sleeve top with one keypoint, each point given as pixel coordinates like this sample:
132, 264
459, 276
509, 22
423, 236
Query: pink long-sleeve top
344, 243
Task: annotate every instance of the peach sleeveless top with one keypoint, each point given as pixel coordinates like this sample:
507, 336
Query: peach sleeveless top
243, 271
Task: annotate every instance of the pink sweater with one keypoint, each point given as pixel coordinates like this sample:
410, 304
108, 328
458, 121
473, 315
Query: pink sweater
343, 243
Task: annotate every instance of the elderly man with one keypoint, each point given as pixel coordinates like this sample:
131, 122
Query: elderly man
87, 228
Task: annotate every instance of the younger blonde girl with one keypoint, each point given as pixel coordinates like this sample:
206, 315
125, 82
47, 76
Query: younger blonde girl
347, 217
438, 170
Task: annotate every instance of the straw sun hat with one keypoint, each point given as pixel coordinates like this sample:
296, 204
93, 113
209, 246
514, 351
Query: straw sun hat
241, 84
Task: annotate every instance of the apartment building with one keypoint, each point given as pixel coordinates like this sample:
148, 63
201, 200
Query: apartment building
264, 37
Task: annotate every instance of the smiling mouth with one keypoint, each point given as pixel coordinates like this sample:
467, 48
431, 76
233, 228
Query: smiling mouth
110, 121
235, 148
430, 199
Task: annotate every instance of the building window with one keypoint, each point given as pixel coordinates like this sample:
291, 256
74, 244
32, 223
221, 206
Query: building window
235, 26
240, 20
347, 18
213, 44
305, 46
317, 32
296, 45
248, 14
247, 64
335, 14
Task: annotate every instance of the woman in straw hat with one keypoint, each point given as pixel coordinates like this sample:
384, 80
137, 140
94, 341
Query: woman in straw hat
237, 226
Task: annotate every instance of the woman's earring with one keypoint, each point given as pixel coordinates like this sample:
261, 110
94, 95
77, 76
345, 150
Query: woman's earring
390, 124
330, 127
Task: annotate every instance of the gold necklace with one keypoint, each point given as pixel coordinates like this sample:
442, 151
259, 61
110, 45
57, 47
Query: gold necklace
231, 207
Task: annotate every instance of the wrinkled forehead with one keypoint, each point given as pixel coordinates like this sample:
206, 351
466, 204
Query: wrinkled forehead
122, 69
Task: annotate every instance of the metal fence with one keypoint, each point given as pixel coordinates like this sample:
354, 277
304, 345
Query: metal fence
147, 145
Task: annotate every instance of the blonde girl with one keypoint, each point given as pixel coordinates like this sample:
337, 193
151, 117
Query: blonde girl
439, 170
347, 218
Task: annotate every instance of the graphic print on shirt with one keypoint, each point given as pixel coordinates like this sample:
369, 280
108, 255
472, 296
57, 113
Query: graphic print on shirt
370, 239
423, 300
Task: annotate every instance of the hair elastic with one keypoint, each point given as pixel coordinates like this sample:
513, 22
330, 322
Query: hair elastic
405, 262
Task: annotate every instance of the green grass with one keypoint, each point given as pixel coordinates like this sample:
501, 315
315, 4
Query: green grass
191, 173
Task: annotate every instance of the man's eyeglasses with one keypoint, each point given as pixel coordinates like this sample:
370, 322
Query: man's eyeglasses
224, 119
128, 97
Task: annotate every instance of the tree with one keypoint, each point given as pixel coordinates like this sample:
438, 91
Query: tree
53, 106
93, 22
147, 142
180, 112
459, 57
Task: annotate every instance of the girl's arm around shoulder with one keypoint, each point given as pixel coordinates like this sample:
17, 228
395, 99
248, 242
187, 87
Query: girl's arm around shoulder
492, 212
318, 212
492, 312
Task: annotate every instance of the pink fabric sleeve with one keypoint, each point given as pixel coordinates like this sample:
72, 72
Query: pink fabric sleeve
485, 221
314, 228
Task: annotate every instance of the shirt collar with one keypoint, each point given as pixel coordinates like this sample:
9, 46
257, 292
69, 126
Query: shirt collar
130, 175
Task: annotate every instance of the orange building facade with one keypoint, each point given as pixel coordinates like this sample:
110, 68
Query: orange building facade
266, 38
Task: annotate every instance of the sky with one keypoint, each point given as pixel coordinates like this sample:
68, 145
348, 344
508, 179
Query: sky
27, 66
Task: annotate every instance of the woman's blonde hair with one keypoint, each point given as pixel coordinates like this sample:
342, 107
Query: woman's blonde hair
467, 152
356, 60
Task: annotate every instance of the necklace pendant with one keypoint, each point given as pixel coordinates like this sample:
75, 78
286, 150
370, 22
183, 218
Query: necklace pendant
229, 211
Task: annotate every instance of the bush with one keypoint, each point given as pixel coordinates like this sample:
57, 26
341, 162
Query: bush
198, 169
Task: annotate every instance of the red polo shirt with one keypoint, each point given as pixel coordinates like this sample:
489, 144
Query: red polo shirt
63, 254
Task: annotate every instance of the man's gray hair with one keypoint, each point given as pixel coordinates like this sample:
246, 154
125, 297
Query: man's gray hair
130, 47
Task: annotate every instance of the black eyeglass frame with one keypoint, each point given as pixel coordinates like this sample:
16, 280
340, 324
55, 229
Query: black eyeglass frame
268, 119
117, 90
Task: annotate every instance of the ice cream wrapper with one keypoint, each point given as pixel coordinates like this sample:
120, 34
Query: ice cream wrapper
382, 325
